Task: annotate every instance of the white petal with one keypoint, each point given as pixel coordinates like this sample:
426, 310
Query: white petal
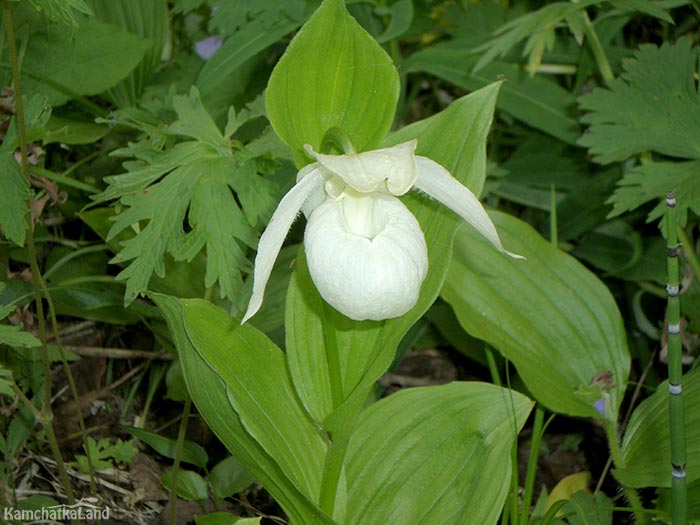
391, 170
437, 182
272, 238
367, 278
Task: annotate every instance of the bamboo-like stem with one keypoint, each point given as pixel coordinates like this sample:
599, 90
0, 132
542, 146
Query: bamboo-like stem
679, 497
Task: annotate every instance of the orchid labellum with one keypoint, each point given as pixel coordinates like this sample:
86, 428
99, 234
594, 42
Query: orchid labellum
365, 250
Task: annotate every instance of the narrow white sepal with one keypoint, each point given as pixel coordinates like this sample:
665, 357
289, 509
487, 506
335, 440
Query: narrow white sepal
437, 182
272, 238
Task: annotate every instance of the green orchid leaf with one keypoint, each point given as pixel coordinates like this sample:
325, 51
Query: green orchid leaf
456, 138
548, 314
334, 74
457, 436
240, 384
646, 451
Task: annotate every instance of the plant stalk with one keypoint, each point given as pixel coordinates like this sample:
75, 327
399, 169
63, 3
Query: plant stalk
597, 48
40, 288
679, 496
178, 454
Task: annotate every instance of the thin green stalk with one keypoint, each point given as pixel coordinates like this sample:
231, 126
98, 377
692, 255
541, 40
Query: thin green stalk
553, 224
40, 289
538, 428
337, 445
46, 414
178, 454
597, 48
679, 495
617, 457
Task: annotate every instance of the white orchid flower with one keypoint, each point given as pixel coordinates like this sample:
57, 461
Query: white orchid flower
365, 250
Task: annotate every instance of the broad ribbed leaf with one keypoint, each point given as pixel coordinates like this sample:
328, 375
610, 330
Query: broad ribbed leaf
239, 383
646, 446
456, 138
334, 74
548, 314
434, 456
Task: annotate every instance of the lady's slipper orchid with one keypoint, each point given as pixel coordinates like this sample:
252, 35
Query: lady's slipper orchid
365, 249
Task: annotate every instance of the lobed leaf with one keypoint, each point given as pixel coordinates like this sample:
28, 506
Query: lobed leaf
654, 105
652, 181
14, 199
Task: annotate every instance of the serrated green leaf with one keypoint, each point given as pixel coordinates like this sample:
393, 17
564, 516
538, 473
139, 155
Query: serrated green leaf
5, 381
15, 337
652, 181
646, 445
450, 435
14, 199
62, 10
193, 121
548, 314
654, 105
333, 74
195, 181
530, 26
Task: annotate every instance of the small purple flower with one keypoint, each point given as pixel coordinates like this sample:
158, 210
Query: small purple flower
600, 406
207, 47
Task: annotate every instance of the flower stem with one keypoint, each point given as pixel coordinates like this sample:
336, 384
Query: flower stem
337, 444
617, 457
